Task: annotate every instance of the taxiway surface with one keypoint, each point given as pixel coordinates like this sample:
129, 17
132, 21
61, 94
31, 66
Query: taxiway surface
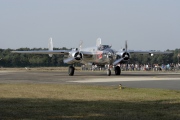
160, 80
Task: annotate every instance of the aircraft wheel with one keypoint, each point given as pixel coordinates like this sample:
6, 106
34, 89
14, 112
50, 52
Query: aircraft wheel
71, 71
117, 70
108, 72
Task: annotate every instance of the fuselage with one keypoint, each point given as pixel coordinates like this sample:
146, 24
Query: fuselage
100, 55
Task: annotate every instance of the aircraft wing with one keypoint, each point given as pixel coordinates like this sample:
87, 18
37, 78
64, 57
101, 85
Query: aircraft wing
148, 52
125, 55
52, 52
44, 52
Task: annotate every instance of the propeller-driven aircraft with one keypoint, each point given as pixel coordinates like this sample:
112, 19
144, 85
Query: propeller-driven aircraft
100, 55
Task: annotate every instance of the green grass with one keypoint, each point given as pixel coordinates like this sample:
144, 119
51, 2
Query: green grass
44, 101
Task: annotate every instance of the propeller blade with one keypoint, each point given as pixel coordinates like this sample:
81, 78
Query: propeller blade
50, 45
118, 61
126, 46
80, 45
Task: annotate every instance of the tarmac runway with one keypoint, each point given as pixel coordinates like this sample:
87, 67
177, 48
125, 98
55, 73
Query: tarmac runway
160, 80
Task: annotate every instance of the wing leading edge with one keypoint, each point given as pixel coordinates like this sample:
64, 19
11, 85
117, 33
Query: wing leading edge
44, 52
148, 52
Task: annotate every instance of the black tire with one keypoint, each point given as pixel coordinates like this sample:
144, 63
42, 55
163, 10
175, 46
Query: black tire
117, 70
109, 72
71, 71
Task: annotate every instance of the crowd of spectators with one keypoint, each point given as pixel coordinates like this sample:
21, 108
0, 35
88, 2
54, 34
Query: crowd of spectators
148, 67
138, 67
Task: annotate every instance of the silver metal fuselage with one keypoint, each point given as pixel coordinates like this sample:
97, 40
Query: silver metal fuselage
97, 55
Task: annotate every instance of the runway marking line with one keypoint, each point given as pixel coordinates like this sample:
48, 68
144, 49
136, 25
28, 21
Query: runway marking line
121, 79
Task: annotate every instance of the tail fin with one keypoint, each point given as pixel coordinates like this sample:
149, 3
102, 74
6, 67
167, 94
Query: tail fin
50, 45
98, 42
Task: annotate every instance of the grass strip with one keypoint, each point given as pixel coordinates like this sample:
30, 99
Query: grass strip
49, 101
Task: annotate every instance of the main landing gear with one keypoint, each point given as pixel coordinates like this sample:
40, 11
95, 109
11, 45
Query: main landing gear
108, 72
117, 70
71, 70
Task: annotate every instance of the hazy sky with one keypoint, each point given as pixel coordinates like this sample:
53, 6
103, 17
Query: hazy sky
146, 24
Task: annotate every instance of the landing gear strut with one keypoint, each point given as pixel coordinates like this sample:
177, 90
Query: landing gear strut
71, 70
109, 72
117, 70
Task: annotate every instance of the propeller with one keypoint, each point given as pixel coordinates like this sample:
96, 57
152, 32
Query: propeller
125, 55
118, 61
78, 54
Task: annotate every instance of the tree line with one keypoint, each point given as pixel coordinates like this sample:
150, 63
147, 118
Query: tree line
8, 59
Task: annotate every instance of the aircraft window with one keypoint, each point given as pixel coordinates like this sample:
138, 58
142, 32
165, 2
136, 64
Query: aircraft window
102, 47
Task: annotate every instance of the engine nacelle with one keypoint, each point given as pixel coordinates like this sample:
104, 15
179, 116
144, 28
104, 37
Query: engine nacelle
126, 55
74, 57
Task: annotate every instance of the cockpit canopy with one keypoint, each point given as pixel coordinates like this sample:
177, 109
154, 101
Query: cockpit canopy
102, 47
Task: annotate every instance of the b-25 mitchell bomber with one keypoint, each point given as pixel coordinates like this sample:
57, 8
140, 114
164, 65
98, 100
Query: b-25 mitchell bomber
100, 55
